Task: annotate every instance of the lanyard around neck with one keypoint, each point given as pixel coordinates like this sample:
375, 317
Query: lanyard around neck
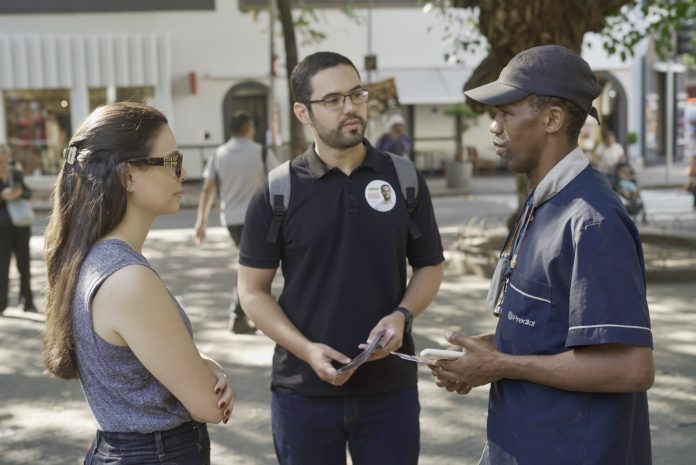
518, 234
510, 255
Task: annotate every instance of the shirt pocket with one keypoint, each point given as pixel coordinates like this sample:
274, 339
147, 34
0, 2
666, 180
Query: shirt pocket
524, 316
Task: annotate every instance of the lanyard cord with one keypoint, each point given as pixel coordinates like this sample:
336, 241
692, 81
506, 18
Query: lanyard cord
520, 237
520, 230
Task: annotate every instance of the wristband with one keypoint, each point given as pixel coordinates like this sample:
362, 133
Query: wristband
408, 316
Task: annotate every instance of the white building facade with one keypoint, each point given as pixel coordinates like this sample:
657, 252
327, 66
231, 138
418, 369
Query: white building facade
201, 60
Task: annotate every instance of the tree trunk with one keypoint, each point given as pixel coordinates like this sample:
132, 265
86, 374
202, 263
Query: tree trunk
298, 143
511, 26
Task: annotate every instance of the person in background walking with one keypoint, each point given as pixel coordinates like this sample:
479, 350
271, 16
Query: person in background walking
13, 239
608, 155
395, 139
235, 171
690, 185
571, 358
110, 320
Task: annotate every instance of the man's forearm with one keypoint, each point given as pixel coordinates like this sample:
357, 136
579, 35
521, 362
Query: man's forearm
601, 368
205, 202
270, 318
422, 288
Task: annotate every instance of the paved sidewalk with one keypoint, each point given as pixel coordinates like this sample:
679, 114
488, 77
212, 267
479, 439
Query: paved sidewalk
46, 421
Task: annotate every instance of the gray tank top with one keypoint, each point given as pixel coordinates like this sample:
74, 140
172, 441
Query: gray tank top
122, 394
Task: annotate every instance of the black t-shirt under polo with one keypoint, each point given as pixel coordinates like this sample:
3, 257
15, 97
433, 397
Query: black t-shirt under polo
343, 252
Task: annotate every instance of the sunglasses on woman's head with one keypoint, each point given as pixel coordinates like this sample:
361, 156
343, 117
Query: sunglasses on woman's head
175, 160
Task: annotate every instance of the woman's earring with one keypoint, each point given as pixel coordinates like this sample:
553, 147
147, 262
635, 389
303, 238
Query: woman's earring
129, 189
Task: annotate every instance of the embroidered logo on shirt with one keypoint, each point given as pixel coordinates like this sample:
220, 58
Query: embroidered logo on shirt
522, 321
380, 195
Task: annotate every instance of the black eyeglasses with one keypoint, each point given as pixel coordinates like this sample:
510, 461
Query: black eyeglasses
336, 101
175, 160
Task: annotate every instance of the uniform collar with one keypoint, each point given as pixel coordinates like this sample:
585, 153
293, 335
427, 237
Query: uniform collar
560, 176
317, 167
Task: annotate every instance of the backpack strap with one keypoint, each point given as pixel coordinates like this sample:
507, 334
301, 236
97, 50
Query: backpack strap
279, 198
408, 181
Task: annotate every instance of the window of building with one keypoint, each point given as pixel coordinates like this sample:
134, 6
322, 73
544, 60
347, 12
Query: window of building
38, 127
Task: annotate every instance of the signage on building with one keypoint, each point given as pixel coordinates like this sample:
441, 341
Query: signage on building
383, 96
100, 6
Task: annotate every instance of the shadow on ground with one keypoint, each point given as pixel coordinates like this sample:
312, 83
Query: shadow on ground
43, 420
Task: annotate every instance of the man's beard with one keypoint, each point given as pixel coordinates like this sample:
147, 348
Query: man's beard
336, 138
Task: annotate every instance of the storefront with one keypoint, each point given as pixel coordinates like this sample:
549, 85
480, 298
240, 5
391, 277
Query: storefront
49, 83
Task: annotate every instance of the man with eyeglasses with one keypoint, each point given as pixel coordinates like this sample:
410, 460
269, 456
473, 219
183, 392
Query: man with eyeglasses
344, 262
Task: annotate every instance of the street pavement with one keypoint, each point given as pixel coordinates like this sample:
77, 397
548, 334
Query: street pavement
46, 421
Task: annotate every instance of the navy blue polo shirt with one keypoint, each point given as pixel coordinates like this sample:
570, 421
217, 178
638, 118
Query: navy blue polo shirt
580, 280
343, 249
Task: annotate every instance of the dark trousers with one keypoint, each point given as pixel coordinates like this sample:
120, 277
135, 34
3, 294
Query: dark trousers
187, 444
236, 235
379, 429
15, 240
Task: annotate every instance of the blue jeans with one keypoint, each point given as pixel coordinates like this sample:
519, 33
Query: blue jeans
187, 444
380, 429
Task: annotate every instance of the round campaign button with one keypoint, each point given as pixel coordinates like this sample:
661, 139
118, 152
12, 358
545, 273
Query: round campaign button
380, 195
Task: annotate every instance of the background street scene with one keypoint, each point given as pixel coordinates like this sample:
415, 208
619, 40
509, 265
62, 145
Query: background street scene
202, 61
46, 421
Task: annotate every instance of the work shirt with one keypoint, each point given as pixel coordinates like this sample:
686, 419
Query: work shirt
343, 254
579, 281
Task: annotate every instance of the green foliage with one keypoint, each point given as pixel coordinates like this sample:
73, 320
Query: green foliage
631, 138
641, 18
463, 110
306, 19
624, 28
460, 29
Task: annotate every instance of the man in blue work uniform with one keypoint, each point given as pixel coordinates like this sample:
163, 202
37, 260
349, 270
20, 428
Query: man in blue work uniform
344, 261
571, 358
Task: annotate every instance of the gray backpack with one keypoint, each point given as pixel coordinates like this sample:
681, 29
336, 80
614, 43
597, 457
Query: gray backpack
279, 190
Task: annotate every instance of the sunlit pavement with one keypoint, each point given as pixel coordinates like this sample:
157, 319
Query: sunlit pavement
46, 421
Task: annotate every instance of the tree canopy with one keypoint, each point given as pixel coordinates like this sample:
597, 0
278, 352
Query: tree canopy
511, 26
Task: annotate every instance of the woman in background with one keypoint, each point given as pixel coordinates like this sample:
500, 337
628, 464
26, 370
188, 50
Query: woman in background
13, 238
110, 320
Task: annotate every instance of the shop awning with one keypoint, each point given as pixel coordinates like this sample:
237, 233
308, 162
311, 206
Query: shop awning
423, 86
55, 61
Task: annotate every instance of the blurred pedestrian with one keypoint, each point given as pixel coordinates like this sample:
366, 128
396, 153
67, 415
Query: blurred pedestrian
235, 171
14, 238
395, 139
608, 155
344, 264
690, 185
571, 358
110, 320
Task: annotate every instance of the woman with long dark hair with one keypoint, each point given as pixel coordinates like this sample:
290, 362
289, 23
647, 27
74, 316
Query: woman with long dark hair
110, 321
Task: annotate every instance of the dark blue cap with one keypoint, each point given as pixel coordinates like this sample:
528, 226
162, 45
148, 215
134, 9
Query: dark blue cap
550, 70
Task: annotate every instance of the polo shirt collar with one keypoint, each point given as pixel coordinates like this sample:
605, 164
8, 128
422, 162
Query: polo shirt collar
560, 176
318, 168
